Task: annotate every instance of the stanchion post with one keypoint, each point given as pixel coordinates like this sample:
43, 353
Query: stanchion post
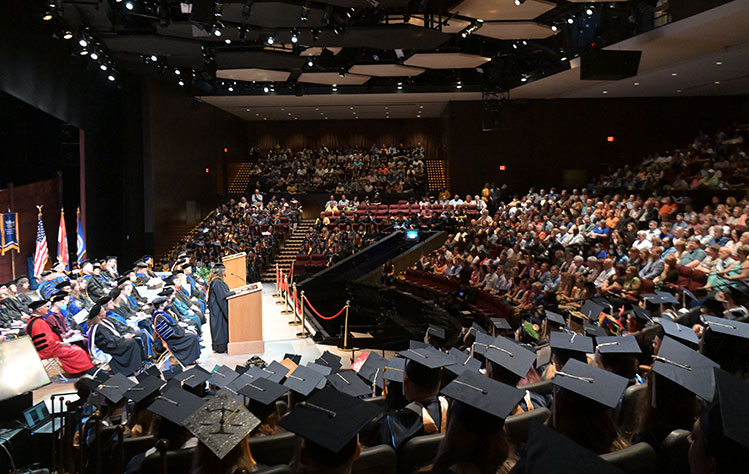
302, 334
277, 294
287, 309
345, 327
282, 290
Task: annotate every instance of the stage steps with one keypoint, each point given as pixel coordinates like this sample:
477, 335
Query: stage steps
288, 252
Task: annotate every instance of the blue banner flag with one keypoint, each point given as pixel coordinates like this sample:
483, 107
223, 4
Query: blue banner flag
10, 233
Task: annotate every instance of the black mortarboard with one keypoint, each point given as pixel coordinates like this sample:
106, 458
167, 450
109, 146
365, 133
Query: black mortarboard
141, 265
236, 385
330, 419
617, 345
666, 297
726, 422
275, 371
303, 380
654, 298
331, 360
640, 313
510, 355
478, 329
543, 355
166, 291
114, 388
602, 301
436, 331
428, 357
594, 330
103, 300
36, 304
222, 376
151, 371
263, 391
686, 367
417, 344
481, 342
372, 368
395, 369
549, 451
728, 327
172, 372
483, 393
348, 382
321, 369
591, 309
591, 382
145, 388
175, 404
62, 284
678, 331
193, 377
555, 318
689, 293
463, 362
221, 423
571, 342
123, 279
57, 296
295, 358
501, 323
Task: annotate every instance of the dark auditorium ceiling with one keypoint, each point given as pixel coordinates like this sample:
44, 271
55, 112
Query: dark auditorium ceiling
397, 58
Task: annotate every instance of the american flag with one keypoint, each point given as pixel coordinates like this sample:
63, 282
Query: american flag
41, 253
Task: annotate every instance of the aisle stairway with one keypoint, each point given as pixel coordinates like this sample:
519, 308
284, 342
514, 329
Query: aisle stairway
287, 255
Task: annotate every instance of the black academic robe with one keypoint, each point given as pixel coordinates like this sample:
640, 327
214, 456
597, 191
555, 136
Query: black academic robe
126, 353
219, 309
401, 425
185, 345
95, 288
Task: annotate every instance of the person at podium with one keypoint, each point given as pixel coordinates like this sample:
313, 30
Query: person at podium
219, 308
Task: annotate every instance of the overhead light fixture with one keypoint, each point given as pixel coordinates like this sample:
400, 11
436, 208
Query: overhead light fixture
294, 37
265, 89
570, 20
523, 79
519, 2
637, 83
589, 11
270, 40
227, 41
129, 6
335, 88
674, 74
305, 11
67, 35
554, 28
564, 58
217, 30
181, 82
103, 67
716, 82
94, 56
718, 63
83, 52
231, 89
310, 63
111, 78
47, 16
605, 92
400, 86
459, 85
177, 71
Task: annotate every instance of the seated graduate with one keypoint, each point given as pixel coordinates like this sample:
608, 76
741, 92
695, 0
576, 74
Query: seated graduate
619, 355
126, 326
719, 442
127, 354
426, 410
565, 346
329, 424
74, 360
182, 342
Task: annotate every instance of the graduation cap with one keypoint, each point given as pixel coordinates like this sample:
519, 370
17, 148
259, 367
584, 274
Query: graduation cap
594, 330
724, 423
221, 423
321, 369
481, 342
549, 451
556, 318
57, 296
331, 360
591, 382
436, 331
510, 355
36, 304
146, 387
501, 324
151, 371
640, 313
484, 394
591, 309
417, 344
571, 341
478, 329
678, 331
395, 369
295, 358
428, 357
275, 372
728, 327
193, 377
236, 385
666, 297
141, 264
123, 279
543, 355
463, 362
686, 367
172, 372
114, 388
330, 419
617, 345
371, 370
222, 376
689, 293
348, 382
263, 391
63, 284
303, 380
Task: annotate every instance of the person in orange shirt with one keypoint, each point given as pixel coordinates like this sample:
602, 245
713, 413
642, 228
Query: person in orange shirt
668, 207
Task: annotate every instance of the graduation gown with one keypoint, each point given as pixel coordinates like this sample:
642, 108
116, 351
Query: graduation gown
95, 288
219, 309
126, 353
73, 359
416, 419
185, 345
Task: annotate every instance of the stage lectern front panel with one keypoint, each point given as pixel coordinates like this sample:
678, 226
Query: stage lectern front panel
236, 270
246, 320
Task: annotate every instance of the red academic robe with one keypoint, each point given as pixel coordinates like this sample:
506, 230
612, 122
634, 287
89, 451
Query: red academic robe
74, 360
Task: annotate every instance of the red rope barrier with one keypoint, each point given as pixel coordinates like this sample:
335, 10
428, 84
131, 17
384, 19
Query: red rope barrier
320, 315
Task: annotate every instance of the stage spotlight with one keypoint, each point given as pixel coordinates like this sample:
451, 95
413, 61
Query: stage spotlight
305, 11
47, 16
111, 77
270, 40
265, 89
554, 28
94, 56
294, 37
570, 20
227, 41
68, 35
103, 67
177, 71
310, 63
181, 82
129, 6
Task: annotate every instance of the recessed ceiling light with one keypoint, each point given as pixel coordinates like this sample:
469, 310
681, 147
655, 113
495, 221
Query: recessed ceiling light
265, 118
678, 90
605, 92
717, 82
248, 110
554, 28
718, 63
564, 58
637, 83
674, 74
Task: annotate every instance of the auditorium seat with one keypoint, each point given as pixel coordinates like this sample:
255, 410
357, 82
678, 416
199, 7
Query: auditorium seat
272, 450
518, 426
690, 278
636, 459
133, 446
376, 460
627, 414
647, 286
672, 456
418, 452
402, 202
179, 461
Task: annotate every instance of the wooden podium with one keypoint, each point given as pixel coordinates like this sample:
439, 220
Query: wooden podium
246, 320
236, 270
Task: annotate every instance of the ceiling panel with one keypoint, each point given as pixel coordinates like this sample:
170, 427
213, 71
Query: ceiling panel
252, 74
385, 70
504, 10
330, 78
446, 60
515, 31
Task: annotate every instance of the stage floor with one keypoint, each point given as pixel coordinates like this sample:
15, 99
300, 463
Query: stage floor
280, 338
